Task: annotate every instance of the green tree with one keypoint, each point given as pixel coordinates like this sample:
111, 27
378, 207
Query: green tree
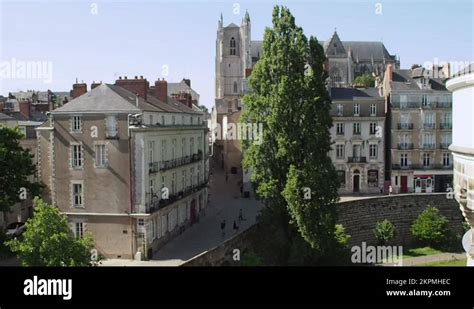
48, 241
365, 80
16, 170
289, 98
384, 232
430, 227
203, 108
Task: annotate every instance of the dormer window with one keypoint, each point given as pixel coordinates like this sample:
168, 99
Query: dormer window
232, 47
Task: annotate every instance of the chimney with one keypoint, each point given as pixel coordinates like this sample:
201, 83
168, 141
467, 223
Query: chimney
161, 90
138, 86
184, 97
94, 85
25, 109
445, 70
78, 89
187, 81
390, 72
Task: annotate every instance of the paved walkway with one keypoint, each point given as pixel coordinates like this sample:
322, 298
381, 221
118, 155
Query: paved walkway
421, 260
225, 201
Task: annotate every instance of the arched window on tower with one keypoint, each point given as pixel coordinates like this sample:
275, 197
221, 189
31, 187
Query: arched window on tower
235, 87
232, 46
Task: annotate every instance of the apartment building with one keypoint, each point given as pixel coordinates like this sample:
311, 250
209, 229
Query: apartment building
127, 163
358, 141
420, 121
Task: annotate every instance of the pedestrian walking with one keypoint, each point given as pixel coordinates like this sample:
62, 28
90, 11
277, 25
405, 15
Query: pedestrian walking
223, 228
241, 216
390, 190
236, 227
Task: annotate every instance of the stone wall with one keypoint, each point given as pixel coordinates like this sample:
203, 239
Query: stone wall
359, 217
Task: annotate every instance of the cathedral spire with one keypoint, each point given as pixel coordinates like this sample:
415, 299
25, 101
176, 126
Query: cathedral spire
221, 22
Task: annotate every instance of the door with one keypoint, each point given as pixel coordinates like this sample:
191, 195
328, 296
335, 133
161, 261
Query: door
356, 183
404, 184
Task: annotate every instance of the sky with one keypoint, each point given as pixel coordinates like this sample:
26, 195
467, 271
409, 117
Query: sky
101, 40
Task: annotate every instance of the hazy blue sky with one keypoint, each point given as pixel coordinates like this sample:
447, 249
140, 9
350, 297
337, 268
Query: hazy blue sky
139, 37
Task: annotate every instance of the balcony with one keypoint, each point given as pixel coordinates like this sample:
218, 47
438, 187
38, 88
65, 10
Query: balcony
357, 160
421, 167
401, 167
444, 104
405, 126
155, 167
429, 126
406, 105
430, 146
154, 203
405, 146
446, 126
444, 145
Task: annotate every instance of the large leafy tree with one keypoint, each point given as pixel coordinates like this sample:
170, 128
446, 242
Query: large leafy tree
16, 170
48, 241
292, 171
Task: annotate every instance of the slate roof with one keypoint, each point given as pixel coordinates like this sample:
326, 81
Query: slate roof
371, 93
4, 117
402, 79
112, 98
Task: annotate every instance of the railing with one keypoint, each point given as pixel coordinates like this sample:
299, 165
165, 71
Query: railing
339, 133
446, 125
154, 203
428, 146
444, 145
418, 104
444, 104
421, 167
405, 146
155, 167
429, 126
406, 105
357, 159
405, 126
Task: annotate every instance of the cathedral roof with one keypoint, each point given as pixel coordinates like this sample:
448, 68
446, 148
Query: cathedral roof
232, 25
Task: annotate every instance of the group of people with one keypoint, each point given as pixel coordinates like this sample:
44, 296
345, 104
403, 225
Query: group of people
235, 226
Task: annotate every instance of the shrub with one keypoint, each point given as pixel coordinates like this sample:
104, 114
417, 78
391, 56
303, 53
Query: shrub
430, 227
384, 232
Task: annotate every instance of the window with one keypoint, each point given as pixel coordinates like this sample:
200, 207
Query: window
163, 120
426, 159
373, 110
191, 176
373, 151
79, 229
163, 182
173, 149
373, 128
340, 128
340, 151
356, 109
100, 155
111, 129
235, 87
404, 159
341, 176
173, 184
199, 121
229, 107
232, 47
340, 109
183, 146
76, 124
373, 178
76, 153
183, 180
151, 151
425, 101
428, 140
182, 119
173, 120
356, 127
163, 150
403, 101
77, 195
446, 161
191, 146
151, 119
192, 119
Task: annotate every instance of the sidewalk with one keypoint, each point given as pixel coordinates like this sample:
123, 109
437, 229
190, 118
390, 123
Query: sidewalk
225, 201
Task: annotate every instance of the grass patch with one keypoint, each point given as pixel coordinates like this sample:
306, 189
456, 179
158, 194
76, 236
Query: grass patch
250, 260
423, 251
454, 263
